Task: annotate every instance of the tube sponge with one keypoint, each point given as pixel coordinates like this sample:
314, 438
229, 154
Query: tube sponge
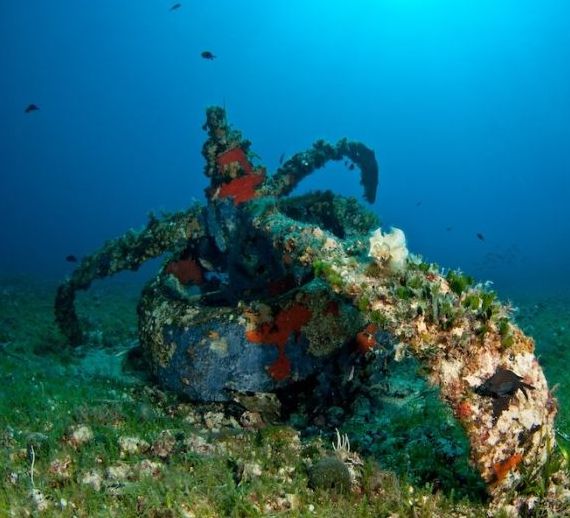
389, 249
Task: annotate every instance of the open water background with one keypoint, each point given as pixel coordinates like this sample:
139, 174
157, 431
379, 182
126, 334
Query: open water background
466, 103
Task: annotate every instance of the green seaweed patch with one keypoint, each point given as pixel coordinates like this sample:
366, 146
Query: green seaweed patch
472, 301
326, 271
503, 327
487, 299
489, 306
404, 293
506, 333
458, 282
363, 303
482, 331
322, 268
415, 282
424, 267
379, 318
334, 279
483, 303
447, 314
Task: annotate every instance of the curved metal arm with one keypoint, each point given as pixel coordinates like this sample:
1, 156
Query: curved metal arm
300, 165
126, 252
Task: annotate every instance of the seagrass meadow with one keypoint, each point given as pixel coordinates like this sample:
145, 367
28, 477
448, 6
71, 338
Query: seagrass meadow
85, 432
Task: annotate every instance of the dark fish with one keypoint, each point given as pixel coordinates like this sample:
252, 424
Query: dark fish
281, 158
32, 108
351, 167
206, 54
418, 203
176, 6
448, 229
71, 259
480, 236
502, 387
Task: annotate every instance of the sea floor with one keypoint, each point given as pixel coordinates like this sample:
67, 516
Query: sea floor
83, 435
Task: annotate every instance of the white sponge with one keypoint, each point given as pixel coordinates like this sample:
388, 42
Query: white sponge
389, 249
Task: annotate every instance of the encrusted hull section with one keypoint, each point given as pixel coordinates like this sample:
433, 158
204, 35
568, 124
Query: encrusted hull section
208, 353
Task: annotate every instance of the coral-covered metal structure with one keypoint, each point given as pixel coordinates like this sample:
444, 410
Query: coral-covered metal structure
261, 290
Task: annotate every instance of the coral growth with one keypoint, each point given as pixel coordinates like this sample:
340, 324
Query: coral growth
243, 179
289, 320
227, 159
187, 271
501, 469
242, 189
366, 339
463, 410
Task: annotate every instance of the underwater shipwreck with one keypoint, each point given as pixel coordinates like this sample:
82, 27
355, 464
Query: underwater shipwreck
264, 294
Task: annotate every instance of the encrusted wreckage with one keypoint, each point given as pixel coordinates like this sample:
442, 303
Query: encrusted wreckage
261, 291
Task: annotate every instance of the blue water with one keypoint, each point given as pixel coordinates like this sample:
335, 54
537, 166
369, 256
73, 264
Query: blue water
466, 103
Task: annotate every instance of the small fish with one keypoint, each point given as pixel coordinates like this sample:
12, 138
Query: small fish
32, 108
351, 167
418, 203
281, 158
501, 387
503, 383
71, 259
448, 229
480, 236
176, 6
206, 54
